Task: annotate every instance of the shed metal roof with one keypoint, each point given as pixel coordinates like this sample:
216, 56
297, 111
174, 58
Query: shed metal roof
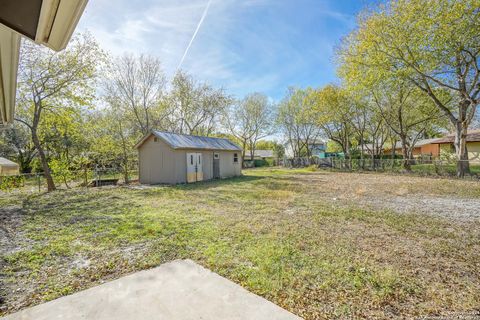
7, 163
183, 141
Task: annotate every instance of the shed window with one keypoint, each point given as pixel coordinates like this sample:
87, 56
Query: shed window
155, 139
191, 159
235, 157
199, 159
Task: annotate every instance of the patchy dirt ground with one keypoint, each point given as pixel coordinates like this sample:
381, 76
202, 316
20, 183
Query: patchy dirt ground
323, 245
454, 199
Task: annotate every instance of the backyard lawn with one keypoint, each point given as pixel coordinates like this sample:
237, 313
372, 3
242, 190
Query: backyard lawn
320, 244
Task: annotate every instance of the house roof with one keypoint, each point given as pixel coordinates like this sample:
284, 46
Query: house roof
183, 141
424, 142
472, 136
264, 153
418, 144
261, 154
7, 163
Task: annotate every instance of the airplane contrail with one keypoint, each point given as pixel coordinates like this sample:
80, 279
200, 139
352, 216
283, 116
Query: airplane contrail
194, 34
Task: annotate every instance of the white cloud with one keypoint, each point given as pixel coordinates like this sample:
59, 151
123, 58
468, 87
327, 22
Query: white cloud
230, 50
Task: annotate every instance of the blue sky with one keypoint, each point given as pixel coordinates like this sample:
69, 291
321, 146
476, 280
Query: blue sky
243, 45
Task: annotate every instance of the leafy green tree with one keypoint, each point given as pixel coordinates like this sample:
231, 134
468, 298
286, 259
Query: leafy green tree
297, 122
434, 44
277, 148
407, 112
113, 138
16, 143
333, 112
250, 120
49, 81
61, 169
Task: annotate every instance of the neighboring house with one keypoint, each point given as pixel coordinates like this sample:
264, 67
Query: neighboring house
259, 155
8, 168
445, 145
422, 147
172, 158
371, 148
316, 147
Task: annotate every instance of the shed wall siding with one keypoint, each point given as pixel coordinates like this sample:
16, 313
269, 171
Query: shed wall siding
159, 163
9, 170
228, 168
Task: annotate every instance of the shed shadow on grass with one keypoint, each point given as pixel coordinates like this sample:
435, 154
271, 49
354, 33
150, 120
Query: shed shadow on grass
208, 184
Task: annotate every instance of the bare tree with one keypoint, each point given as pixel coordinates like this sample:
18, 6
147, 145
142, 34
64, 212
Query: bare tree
195, 108
250, 120
137, 84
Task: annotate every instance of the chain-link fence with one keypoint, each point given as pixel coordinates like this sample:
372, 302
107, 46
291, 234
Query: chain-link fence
420, 166
90, 177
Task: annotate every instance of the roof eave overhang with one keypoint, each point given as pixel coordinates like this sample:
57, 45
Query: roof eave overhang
57, 20
142, 140
208, 149
9, 54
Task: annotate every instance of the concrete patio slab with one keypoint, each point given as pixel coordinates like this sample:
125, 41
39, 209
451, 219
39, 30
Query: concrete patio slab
178, 290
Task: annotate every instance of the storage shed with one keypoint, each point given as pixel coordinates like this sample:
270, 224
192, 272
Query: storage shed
171, 158
8, 168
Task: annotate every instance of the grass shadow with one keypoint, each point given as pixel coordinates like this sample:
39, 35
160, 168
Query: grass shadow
208, 184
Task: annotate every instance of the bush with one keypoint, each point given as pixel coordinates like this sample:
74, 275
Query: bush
11, 182
260, 163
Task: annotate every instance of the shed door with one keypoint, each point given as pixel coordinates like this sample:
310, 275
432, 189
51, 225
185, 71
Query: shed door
191, 167
216, 165
194, 167
199, 168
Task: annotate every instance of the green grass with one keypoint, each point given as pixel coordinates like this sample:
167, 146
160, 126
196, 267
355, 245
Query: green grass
268, 231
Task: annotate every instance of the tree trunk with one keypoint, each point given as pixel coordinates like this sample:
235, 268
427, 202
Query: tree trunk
43, 160
252, 154
125, 171
394, 146
244, 144
406, 156
125, 164
463, 166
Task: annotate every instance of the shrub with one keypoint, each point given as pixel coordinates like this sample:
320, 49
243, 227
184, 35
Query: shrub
11, 182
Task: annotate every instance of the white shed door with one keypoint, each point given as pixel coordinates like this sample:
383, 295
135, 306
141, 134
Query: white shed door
194, 167
199, 167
